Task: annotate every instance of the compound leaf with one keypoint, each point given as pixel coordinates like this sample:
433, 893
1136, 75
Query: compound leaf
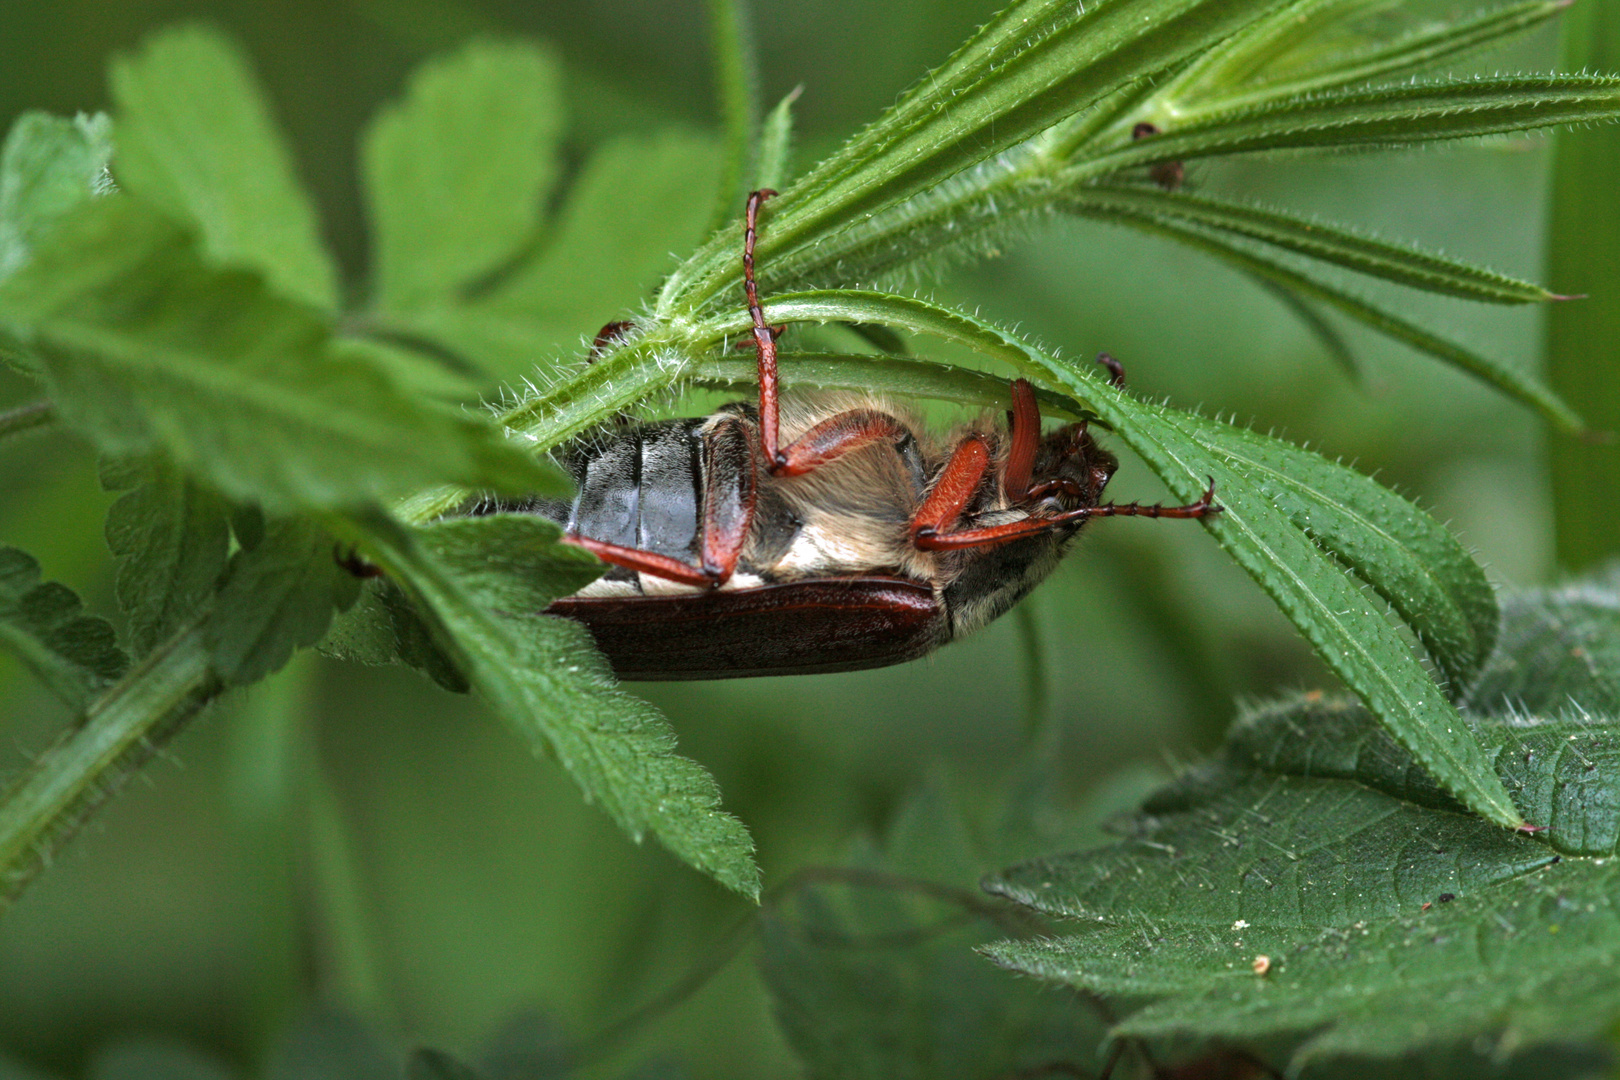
196, 139
43, 625
146, 348
48, 166
457, 173
170, 537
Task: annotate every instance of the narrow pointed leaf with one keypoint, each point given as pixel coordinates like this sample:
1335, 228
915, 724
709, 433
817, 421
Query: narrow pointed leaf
1384, 116
1418, 51
147, 348
1513, 382
457, 173
1031, 66
483, 583
1400, 263
775, 146
43, 625
1307, 583
196, 138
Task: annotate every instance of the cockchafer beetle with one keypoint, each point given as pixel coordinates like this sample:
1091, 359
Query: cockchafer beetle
816, 533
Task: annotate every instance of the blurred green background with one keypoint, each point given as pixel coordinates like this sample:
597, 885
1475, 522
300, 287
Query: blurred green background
362, 838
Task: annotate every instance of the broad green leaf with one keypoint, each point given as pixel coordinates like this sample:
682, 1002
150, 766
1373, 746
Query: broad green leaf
1332, 243
1559, 651
1516, 384
196, 139
483, 582
43, 625
1384, 116
1389, 921
456, 175
383, 628
277, 597
147, 348
1307, 582
637, 200
170, 537
1029, 67
48, 166
1583, 232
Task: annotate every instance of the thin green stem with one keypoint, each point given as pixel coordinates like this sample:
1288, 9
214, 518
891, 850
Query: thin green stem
737, 87
43, 806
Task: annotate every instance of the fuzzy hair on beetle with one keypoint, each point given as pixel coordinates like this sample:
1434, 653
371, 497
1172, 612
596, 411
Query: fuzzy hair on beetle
817, 532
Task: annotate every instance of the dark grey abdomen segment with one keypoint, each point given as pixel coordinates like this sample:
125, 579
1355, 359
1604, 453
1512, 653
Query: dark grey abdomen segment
639, 487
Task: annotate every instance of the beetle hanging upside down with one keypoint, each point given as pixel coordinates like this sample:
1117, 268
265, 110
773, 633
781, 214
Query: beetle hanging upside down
818, 533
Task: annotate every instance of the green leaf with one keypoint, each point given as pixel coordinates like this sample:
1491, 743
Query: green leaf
775, 146
1308, 584
277, 597
146, 348
483, 582
637, 200
1389, 922
48, 166
1559, 650
1032, 65
1300, 63
170, 537
456, 175
196, 139
42, 625
1332, 243
1516, 384
1383, 116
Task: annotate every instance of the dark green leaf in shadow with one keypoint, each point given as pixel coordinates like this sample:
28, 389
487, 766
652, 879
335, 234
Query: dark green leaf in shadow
325, 1044
170, 537
43, 626
483, 582
430, 1064
277, 597
457, 173
1560, 650
155, 1059
48, 166
146, 348
196, 139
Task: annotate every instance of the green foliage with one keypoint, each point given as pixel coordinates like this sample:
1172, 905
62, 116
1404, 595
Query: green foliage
1315, 842
193, 321
41, 624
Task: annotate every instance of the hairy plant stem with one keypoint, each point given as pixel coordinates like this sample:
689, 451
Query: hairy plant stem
43, 805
